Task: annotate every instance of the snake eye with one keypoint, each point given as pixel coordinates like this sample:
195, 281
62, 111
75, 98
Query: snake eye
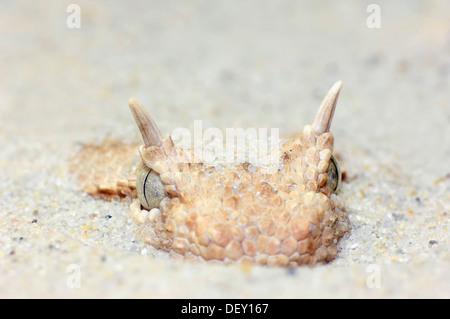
149, 188
333, 175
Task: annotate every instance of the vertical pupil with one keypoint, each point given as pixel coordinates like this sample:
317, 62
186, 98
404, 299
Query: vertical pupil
144, 186
333, 175
149, 188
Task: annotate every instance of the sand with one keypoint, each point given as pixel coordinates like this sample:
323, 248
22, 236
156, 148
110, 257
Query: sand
230, 64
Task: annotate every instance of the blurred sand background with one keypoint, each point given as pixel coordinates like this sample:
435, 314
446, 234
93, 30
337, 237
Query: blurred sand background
229, 64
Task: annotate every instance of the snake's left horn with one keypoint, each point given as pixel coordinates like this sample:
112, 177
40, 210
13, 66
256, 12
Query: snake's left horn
149, 130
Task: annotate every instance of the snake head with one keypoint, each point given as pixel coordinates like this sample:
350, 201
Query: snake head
289, 217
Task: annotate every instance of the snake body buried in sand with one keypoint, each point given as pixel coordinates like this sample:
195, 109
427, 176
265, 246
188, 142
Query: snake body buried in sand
288, 217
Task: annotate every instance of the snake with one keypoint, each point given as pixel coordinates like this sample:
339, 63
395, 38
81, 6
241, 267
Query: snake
237, 212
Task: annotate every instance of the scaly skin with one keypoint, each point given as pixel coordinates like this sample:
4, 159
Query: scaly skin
286, 218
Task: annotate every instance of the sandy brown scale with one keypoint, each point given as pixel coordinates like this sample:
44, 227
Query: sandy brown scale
237, 215
241, 213
106, 170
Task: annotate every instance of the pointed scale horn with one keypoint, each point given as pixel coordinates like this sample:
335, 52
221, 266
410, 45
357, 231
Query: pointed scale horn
324, 116
149, 131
